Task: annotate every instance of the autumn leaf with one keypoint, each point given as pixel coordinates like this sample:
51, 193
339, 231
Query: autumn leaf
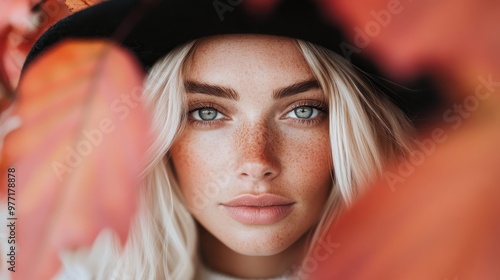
77, 5
455, 41
77, 154
21, 23
13, 17
434, 216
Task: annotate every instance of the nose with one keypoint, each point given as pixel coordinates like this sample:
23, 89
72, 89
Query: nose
257, 148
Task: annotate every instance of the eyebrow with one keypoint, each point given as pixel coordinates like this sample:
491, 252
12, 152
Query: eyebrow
226, 92
295, 89
219, 91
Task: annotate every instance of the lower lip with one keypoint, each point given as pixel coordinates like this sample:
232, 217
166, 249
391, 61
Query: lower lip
268, 215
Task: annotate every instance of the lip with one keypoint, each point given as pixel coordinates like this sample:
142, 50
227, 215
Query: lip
263, 209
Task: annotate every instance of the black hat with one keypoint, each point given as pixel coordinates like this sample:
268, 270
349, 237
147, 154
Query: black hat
151, 28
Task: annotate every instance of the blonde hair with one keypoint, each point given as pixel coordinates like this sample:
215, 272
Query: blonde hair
366, 130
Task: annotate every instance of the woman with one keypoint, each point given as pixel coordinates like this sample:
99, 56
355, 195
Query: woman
260, 142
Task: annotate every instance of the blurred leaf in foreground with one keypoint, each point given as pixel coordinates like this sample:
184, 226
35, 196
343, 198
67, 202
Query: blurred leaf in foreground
78, 152
434, 216
21, 23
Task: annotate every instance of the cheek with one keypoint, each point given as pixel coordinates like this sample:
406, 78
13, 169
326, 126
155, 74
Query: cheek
195, 165
309, 157
308, 163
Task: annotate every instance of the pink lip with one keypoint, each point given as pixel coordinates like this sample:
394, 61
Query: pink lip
259, 210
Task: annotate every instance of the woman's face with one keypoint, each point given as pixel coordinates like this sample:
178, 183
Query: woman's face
254, 161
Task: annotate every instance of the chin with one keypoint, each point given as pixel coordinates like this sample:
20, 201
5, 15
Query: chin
261, 241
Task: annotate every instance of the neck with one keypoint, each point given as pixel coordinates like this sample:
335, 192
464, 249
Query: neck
218, 257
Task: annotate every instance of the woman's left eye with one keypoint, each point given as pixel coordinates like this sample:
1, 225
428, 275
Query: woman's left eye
206, 114
303, 112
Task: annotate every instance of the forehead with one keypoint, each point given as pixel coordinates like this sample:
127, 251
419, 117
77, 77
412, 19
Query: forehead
251, 56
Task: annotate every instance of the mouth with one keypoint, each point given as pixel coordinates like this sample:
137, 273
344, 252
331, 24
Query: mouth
264, 209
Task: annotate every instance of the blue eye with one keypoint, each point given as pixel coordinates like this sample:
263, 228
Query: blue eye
206, 114
303, 112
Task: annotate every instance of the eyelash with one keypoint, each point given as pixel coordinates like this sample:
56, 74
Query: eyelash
200, 106
315, 104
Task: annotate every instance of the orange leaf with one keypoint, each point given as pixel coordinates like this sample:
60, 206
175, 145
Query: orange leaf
452, 38
432, 217
78, 152
13, 17
20, 27
77, 5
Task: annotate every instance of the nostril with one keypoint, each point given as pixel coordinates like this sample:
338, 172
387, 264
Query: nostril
257, 171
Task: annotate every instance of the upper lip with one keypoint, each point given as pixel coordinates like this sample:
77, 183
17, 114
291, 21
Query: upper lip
263, 200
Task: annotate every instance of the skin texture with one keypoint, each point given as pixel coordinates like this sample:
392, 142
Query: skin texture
256, 145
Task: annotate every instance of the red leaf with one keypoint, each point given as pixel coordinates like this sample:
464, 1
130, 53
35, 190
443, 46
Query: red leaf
454, 39
78, 152
440, 221
20, 27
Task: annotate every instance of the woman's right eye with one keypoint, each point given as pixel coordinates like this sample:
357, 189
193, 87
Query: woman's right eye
206, 114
